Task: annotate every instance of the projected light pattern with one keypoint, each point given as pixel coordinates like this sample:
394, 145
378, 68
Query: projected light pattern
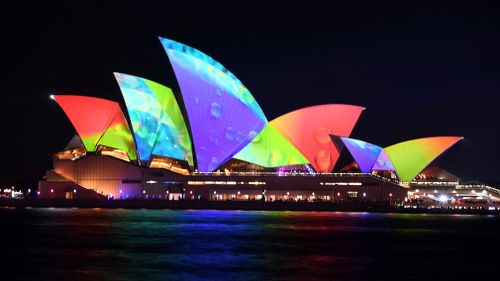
411, 157
157, 121
383, 163
224, 116
271, 149
98, 122
364, 153
309, 130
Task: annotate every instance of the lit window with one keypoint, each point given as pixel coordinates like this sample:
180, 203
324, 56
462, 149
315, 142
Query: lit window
352, 194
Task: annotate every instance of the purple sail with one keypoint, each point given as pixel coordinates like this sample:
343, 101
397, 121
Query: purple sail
223, 115
364, 153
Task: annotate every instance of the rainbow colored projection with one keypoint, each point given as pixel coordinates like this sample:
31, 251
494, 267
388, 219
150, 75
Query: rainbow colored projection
159, 127
98, 122
224, 117
383, 163
309, 130
271, 149
411, 157
364, 153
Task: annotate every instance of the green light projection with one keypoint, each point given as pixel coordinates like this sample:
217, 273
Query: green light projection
271, 149
410, 157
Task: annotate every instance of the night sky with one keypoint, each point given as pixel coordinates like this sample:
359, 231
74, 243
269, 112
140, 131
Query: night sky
419, 69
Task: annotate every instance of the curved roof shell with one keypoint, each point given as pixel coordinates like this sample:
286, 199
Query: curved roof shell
98, 122
224, 117
411, 157
156, 118
383, 163
364, 153
271, 149
309, 130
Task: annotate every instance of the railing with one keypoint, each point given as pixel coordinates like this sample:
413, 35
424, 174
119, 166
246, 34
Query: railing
305, 174
478, 186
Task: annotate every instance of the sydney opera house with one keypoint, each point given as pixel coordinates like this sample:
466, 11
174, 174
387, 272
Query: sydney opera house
212, 141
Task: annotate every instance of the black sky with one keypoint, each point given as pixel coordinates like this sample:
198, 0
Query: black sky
419, 69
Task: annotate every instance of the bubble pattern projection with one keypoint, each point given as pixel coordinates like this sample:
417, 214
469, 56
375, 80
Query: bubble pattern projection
157, 121
411, 157
383, 163
364, 153
271, 149
309, 130
98, 122
224, 117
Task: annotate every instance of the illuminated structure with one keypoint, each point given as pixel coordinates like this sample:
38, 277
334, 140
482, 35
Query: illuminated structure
271, 149
158, 124
407, 158
109, 129
189, 146
223, 115
309, 129
364, 153
411, 157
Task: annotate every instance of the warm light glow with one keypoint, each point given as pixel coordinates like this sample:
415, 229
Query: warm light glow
168, 164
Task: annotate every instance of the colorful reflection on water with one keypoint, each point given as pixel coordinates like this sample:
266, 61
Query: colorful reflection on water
100, 244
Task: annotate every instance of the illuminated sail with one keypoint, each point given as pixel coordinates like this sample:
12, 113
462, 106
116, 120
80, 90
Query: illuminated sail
383, 163
271, 149
309, 130
224, 117
364, 153
98, 122
157, 121
411, 157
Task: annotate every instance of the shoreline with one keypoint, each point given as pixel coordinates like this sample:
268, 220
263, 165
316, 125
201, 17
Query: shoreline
236, 205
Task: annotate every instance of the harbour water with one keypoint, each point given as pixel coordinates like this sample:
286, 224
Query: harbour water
118, 244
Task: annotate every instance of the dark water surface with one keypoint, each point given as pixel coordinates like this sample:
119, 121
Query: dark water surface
99, 244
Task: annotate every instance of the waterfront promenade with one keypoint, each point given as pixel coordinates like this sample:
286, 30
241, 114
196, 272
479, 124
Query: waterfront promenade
383, 207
